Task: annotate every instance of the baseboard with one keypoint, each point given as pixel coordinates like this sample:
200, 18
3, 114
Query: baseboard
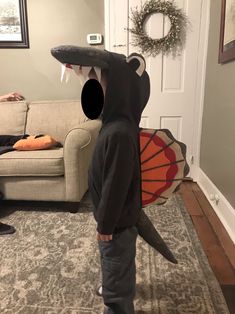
222, 207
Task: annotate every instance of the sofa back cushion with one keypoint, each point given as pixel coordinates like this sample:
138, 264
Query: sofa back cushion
54, 118
13, 117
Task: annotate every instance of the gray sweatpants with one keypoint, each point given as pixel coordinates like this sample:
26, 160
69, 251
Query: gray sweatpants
118, 272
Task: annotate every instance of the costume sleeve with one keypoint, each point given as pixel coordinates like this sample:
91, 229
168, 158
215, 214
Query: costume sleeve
117, 175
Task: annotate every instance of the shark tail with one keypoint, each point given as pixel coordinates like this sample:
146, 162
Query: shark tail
148, 232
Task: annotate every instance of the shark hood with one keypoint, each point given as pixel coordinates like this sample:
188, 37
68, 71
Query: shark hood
115, 87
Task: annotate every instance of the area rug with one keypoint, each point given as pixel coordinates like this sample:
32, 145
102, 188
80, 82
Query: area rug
51, 265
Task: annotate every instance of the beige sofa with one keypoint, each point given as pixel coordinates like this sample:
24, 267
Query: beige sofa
56, 174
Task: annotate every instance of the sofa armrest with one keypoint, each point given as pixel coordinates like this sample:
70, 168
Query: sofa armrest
78, 148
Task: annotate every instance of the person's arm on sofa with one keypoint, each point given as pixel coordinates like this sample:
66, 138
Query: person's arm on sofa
78, 148
11, 97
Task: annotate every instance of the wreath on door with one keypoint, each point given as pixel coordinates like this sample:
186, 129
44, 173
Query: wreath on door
173, 42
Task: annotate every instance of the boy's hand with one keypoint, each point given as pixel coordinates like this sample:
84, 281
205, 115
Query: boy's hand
104, 237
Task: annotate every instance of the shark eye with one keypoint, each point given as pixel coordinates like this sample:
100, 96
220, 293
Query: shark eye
92, 99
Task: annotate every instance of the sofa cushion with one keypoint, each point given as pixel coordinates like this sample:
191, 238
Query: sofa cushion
56, 118
13, 117
32, 163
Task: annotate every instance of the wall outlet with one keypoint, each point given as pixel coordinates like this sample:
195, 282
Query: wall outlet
215, 198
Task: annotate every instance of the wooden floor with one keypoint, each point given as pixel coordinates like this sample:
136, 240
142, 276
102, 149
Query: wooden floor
216, 243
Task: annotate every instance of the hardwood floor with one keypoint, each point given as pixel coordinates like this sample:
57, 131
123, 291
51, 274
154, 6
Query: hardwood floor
218, 246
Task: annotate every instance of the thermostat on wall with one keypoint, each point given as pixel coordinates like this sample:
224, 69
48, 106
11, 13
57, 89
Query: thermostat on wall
94, 39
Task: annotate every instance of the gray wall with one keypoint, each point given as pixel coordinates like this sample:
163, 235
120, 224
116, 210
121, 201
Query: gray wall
34, 72
218, 132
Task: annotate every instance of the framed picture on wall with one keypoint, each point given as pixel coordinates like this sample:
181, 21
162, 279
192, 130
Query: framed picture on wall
227, 32
13, 24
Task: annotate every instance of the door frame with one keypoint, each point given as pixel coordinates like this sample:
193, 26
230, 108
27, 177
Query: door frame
200, 80
107, 24
200, 86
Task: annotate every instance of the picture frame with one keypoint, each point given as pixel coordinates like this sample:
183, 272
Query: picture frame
13, 24
227, 32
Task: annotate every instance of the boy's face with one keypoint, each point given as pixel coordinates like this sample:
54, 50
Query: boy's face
93, 93
102, 80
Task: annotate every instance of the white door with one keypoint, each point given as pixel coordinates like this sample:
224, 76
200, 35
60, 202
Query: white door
172, 103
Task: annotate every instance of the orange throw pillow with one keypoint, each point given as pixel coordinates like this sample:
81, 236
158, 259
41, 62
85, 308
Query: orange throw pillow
32, 143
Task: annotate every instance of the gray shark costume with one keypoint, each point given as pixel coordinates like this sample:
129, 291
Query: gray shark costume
114, 174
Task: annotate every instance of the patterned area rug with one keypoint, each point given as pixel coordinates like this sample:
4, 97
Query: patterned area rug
51, 265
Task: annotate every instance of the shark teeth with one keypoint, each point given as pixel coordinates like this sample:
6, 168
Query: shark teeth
63, 69
65, 73
98, 73
86, 71
78, 70
81, 71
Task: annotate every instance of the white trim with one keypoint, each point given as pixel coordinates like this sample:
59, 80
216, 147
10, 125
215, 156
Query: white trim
200, 84
107, 24
223, 209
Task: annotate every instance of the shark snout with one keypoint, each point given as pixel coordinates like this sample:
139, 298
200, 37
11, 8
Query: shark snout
86, 63
83, 56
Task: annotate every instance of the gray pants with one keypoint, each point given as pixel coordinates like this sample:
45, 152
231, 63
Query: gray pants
118, 272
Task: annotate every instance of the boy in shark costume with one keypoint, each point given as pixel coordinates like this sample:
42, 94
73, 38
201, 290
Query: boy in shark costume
114, 174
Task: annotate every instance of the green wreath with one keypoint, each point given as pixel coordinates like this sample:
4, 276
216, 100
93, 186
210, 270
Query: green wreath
173, 42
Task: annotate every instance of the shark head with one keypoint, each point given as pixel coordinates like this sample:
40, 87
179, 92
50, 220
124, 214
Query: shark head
113, 84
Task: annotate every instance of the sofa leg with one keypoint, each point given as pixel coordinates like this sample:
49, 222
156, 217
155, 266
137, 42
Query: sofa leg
73, 207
